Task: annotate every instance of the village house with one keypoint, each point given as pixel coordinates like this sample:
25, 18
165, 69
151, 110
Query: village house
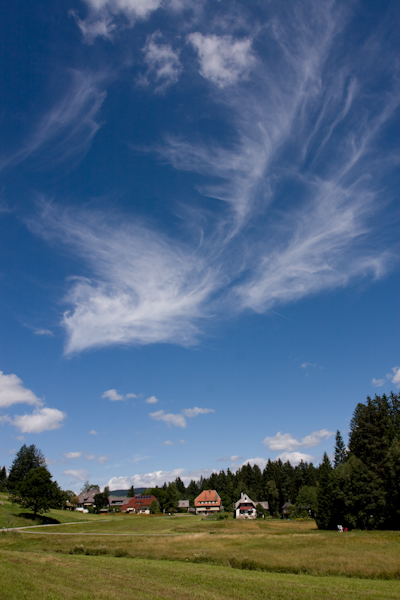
139, 505
245, 508
208, 502
86, 499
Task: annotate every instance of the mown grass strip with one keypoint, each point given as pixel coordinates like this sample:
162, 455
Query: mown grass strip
53, 577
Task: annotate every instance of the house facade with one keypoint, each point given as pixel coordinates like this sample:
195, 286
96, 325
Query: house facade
139, 505
207, 502
245, 508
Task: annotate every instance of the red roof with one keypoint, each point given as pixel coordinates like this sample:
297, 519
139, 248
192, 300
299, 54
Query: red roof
208, 497
139, 502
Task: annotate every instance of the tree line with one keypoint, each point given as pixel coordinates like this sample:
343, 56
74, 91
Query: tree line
360, 488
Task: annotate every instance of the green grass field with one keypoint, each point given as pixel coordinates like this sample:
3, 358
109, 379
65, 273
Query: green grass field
126, 556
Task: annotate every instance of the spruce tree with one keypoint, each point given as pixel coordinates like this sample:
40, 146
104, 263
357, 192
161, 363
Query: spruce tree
340, 450
26, 459
324, 517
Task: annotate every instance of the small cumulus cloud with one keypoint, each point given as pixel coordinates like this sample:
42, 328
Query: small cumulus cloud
12, 391
43, 419
223, 60
72, 454
295, 457
171, 419
396, 376
131, 395
393, 377
92, 432
179, 419
305, 365
151, 400
90, 457
163, 64
288, 443
102, 459
113, 395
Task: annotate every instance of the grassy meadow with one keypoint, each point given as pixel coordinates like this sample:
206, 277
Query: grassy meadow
126, 556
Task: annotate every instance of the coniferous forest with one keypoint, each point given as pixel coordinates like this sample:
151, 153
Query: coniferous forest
360, 488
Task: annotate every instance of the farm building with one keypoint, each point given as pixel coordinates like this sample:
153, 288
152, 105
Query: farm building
208, 502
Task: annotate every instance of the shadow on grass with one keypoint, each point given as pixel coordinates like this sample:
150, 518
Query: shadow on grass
41, 519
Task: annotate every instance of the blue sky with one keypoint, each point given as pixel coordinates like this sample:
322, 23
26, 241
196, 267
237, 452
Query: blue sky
199, 224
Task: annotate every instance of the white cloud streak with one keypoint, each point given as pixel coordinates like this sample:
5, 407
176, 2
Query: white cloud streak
77, 474
43, 332
193, 412
69, 126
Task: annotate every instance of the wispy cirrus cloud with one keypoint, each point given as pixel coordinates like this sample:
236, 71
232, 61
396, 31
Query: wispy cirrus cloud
43, 332
69, 127
293, 194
